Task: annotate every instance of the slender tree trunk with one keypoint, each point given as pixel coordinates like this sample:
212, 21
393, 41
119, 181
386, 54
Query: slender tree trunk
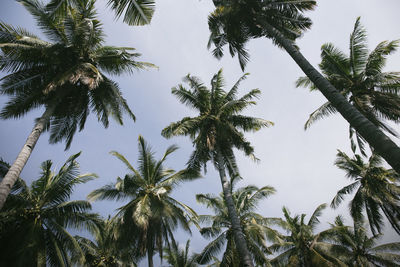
23, 156
150, 257
371, 133
240, 241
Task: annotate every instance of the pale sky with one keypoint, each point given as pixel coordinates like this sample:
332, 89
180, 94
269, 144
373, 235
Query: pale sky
298, 163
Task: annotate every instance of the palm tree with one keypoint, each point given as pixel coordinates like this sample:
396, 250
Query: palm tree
237, 21
303, 247
137, 12
35, 219
360, 79
215, 132
64, 76
178, 257
255, 226
105, 249
151, 213
377, 191
355, 248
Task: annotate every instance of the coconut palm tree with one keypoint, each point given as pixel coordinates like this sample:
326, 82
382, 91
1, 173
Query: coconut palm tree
377, 191
104, 250
215, 132
65, 76
255, 226
302, 247
35, 220
151, 214
135, 12
360, 79
178, 257
235, 22
355, 248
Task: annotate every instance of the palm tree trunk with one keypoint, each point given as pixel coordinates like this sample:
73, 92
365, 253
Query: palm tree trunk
150, 259
150, 256
23, 156
382, 144
240, 241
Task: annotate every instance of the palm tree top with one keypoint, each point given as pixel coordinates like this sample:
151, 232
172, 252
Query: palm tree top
219, 125
236, 22
219, 228
137, 12
151, 214
67, 73
360, 78
37, 217
377, 190
353, 246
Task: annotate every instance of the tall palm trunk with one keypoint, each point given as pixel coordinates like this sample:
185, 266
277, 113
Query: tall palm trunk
23, 156
371, 133
240, 241
150, 256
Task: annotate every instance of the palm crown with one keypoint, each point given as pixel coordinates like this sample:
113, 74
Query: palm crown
37, 217
303, 247
219, 126
360, 78
151, 213
255, 227
377, 191
354, 247
236, 22
66, 74
105, 250
135, 12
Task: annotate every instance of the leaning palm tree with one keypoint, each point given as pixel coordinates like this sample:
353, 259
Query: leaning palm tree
237, 21
360, 79
35, 220
151, 213
255, 226
104, 250
303, 247
377, 191
177, 257
215, 132
65, 76
355, 248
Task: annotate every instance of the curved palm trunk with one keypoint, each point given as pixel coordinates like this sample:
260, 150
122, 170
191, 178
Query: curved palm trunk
371, 133
23, 156
240, 241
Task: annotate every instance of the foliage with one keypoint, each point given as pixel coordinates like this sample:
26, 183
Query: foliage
66, 74
235, 22
377, 191
35, 219
137, 12
219, 125
105, 250
178, 257
151, 214
355, 248
360, 78
255, 226
302, 247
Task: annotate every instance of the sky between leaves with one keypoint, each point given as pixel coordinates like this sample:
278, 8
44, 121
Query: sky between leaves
298, 163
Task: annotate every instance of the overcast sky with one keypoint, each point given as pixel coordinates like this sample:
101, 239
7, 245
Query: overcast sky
298, 163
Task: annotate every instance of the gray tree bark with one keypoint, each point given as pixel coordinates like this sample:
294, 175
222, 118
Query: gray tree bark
23, 156
381, 143
240, 241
